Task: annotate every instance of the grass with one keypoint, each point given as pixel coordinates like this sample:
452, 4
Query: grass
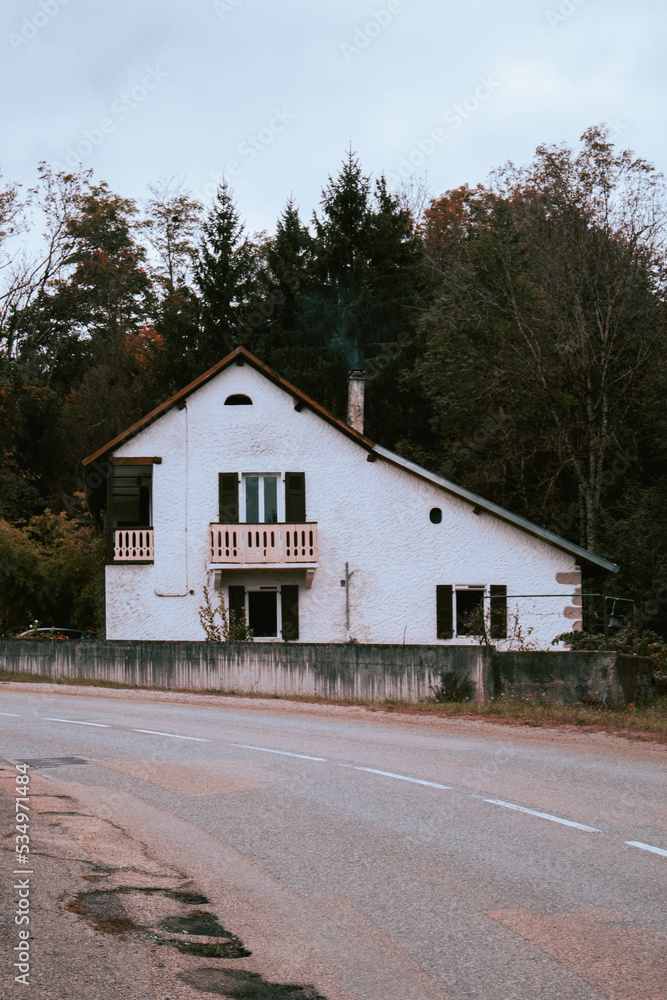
646, 721
649, 719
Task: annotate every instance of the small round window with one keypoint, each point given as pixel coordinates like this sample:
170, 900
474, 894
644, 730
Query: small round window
238, 399
435, 515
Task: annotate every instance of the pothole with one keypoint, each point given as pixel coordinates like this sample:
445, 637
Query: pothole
104, 910
198, 922
238, 985
141, 910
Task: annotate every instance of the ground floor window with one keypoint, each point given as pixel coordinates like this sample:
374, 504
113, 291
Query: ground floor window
270, 612
472, 610
263, 613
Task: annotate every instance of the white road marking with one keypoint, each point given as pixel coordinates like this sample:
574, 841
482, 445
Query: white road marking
283, 753
174, 736
73, 722
647, 847
402, 777
13, 714
554, 819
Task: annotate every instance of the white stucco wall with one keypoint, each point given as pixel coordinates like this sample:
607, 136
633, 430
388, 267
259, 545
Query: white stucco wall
373, 515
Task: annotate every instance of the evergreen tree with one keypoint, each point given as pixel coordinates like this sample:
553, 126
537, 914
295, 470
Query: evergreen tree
225, 274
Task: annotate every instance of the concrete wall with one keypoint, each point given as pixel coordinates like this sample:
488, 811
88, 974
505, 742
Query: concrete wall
568, 678
335, 670
372, 515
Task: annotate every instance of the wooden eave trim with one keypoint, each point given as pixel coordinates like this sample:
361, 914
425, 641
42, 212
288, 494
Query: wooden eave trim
239, 355
154, 460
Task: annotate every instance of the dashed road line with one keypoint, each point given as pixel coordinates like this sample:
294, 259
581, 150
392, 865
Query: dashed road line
174, 736
371, 770
647, 847
554, 819
75, 722
283, 753
402, 777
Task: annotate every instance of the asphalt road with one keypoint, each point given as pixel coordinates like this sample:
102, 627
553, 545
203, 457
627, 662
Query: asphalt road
393, 858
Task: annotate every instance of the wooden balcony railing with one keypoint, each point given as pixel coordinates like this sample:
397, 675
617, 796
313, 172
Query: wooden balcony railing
133, 545
259, 544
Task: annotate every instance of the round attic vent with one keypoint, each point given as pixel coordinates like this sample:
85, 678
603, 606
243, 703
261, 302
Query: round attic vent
435, 515
238, 399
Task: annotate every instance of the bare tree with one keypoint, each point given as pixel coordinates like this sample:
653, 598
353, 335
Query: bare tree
172, 226
56, 200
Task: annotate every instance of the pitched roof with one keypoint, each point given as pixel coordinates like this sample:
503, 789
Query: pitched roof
242, 356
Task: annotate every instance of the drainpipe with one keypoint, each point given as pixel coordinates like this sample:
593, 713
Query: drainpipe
348, 576
160, 593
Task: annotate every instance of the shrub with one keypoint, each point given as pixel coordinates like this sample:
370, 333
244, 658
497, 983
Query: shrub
231, 626
453, 687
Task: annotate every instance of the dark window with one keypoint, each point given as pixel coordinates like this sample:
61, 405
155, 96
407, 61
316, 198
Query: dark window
238, 399
498, 612
131, 496
444, 623
295, 497
289, 606
469, 612
435, 515
237, 600
228, 497
263, 612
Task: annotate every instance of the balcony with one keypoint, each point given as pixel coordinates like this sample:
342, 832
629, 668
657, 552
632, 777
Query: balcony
133, 545
264, 544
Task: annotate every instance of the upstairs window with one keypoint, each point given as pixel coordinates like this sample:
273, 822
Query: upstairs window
131, 496
262, 498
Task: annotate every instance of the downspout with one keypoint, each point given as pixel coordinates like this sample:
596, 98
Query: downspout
348, 576
159, 593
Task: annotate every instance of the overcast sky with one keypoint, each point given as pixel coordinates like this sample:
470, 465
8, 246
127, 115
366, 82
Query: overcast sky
273, 92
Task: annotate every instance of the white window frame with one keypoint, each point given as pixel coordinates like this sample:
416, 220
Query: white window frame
467, 586
279, 610
280, 476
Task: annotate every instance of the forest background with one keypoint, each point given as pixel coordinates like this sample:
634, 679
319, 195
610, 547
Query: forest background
513, 335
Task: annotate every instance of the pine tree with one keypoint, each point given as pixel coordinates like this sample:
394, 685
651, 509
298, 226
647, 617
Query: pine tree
225, 274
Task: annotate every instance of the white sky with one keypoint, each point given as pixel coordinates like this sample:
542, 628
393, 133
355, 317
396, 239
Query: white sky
221, 72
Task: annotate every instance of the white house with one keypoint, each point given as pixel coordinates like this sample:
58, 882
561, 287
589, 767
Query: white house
242, 482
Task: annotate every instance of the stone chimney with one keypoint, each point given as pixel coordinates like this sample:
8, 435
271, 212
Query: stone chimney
355, 399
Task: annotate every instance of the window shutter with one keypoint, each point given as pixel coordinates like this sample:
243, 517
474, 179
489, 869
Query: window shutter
443, 600
237, 600
228, 497
498, 612
289, 604
295, 497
